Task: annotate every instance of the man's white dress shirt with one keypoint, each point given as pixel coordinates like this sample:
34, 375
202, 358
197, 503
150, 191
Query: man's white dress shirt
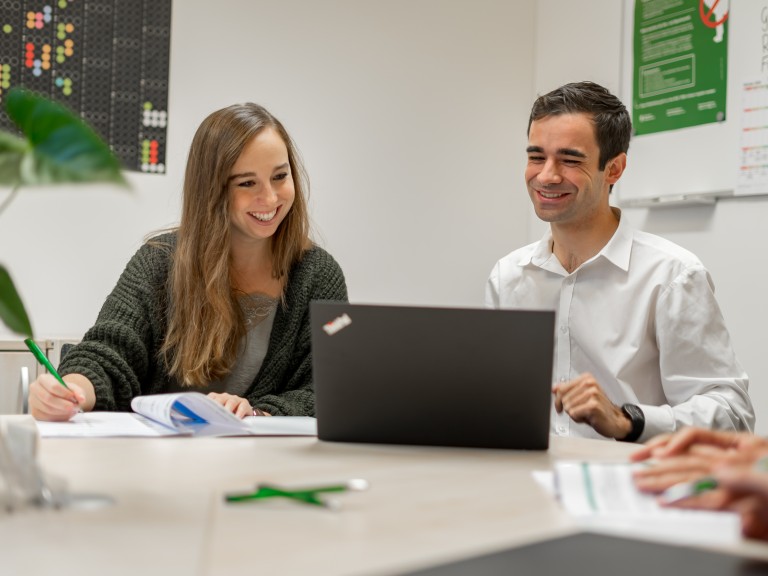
641, 316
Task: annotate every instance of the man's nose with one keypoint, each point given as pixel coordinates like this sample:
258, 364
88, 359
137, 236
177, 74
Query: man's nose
550, 173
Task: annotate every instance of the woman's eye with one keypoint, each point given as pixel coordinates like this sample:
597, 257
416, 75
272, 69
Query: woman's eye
247, 184
281, 176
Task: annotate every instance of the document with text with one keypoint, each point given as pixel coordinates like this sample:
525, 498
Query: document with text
603, 496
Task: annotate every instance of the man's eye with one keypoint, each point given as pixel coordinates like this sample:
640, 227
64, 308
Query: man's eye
571, 162
535, 158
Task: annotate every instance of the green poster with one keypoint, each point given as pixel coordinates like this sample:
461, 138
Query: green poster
680, 63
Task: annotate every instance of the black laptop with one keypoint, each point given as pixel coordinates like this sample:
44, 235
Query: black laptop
432, 376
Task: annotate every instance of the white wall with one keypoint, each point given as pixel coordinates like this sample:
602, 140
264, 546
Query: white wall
407, 113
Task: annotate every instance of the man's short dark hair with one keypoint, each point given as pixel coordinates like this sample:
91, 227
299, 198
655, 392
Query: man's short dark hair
613, 126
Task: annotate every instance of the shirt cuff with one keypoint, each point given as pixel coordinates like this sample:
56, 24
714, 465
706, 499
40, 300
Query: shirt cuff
658, 420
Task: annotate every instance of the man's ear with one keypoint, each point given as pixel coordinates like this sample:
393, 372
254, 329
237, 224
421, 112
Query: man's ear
614, 168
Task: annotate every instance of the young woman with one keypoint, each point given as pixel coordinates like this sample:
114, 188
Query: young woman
221, 304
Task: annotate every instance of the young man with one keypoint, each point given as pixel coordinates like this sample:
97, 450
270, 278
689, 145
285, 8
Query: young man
641, 346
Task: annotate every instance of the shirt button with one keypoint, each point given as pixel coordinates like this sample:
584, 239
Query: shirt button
564, 328
561, 430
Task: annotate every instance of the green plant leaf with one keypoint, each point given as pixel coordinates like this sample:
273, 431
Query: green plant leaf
61, 147
12, 311
12, 150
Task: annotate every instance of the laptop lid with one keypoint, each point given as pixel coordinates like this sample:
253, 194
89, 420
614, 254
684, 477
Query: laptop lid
432, 376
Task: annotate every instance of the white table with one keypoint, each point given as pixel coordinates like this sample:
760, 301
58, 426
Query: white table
424, 506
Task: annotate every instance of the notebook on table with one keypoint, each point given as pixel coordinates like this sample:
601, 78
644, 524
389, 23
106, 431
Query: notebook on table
432, 376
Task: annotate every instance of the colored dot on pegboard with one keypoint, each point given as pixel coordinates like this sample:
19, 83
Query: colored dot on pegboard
147, 105
7, 28
67, 91
70, 28
59, 82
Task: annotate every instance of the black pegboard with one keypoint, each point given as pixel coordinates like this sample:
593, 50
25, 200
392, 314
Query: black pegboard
107, 60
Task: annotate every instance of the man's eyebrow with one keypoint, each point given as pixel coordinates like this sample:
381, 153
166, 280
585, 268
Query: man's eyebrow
560, 151
571, 152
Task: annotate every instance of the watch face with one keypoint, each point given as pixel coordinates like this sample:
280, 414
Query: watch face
633, 412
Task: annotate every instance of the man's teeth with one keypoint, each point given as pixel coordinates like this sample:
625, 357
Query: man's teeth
264, 216
551, 195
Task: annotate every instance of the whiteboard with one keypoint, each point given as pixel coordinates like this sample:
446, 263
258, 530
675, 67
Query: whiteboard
701, 163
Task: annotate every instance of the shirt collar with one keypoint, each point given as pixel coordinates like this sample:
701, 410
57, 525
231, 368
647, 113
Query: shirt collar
617, 250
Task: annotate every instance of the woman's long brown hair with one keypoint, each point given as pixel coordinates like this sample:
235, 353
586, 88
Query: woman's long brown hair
205, 323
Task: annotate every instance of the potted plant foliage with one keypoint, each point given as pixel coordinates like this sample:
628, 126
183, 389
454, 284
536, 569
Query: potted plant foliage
55, 147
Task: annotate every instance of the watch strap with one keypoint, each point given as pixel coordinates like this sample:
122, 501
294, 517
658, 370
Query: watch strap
637, 418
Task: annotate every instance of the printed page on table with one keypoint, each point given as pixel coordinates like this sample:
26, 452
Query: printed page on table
602, 496
103, 425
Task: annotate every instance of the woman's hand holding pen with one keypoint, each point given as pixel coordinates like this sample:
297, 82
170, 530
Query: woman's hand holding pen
49, 400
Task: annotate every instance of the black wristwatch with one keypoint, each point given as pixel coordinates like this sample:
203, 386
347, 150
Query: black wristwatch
636, 416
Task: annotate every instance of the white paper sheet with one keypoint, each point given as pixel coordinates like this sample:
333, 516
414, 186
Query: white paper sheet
117, 424
603, 497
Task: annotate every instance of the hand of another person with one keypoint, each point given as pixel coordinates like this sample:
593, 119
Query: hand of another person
697, 461
585, 402
679, 442
240, 407
748, 489
49, 400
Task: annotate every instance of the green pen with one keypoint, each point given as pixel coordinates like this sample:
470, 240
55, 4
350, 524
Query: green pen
305, 495
685, 490
43, 359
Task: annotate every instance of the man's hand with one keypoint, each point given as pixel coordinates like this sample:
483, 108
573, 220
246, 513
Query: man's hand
585, 402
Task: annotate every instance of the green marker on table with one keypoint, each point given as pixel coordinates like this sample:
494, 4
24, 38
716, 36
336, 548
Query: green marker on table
305, 495
43, 359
